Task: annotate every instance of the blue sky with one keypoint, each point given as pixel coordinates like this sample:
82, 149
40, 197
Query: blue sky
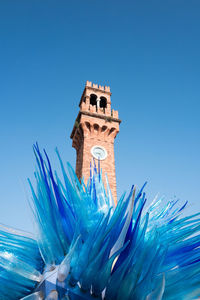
147, 51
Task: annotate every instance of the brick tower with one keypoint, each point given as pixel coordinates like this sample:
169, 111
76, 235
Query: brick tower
94, 131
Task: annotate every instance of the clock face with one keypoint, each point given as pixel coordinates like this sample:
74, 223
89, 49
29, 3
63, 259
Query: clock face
99, 152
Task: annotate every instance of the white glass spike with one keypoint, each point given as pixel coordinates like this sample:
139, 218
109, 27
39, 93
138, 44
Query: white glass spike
52, 296
64, 269
34, 296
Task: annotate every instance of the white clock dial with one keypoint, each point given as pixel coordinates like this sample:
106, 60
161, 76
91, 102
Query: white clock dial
99, 152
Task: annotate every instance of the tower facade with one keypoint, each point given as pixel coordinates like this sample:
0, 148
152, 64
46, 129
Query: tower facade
94, 132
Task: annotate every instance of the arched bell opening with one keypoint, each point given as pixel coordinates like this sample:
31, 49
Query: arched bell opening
93, 100
103, 103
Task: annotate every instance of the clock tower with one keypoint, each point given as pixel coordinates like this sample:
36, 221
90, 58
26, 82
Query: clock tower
94, 132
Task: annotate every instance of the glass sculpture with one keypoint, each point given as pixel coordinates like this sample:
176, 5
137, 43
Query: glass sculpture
86, 248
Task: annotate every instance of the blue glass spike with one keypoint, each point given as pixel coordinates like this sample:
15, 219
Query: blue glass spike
90, 177
86, 247
20, 264
139, 194
95, 168
157, 293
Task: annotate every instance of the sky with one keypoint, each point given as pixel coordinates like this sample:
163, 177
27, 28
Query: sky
147, 51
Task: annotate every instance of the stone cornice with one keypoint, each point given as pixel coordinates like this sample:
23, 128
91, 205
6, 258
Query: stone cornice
95, 115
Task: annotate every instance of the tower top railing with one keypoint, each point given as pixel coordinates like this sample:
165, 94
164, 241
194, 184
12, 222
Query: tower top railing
105, 88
